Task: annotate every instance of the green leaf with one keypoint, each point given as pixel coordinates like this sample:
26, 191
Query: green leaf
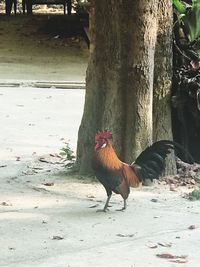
195, 3
67, 153
179, 6
195, 194
192, 22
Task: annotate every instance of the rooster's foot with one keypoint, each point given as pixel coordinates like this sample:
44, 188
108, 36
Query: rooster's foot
103, 210
124, 207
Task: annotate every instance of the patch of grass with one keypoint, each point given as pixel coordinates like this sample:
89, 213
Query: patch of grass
195, 194
67, 153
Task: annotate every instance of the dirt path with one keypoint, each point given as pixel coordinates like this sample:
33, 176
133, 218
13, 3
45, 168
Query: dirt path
38, 121
28, 52
58, 225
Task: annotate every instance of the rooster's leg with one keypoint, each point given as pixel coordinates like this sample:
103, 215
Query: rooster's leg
124, 207
106, 205
107, 202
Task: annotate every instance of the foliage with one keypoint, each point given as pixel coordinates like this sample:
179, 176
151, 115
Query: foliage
195, 194
186, 76
188, 20
191, 21
180, 7
67, 152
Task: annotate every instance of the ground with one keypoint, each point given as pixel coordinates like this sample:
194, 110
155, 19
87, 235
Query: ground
29, 52
48, 215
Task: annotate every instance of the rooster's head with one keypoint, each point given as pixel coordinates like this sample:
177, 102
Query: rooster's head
101, 139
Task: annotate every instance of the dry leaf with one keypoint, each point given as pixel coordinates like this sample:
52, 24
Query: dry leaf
3, 166
4, 203
44, 160
192, 227
172, 188
165, 256
170, 256
90, 196
179, 260
195, 64
166, 245
121, 235
154, 200
57, 237
49, 184
152, 246
94, 206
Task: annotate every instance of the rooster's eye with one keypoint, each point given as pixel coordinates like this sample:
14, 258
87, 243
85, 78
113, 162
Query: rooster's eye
104, 145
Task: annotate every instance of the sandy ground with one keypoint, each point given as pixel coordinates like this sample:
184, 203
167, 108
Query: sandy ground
58, 225
38, 121
27, 52
48, 216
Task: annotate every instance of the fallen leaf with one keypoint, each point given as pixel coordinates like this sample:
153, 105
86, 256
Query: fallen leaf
90, 196
18, 158
36, 168
121, 235
172, 187
57, 237
55, 155
152, 246
49, 184
170, 256
94, 206
44, 160
166, 245
179, 260
3, 166
192, 227
195, 64
4, 203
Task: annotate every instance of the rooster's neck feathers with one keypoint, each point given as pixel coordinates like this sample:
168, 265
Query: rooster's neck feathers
108, 158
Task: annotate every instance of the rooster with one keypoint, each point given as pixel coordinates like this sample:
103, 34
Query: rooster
117, 176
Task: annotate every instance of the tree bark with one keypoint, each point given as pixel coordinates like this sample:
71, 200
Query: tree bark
162, 128
120, 78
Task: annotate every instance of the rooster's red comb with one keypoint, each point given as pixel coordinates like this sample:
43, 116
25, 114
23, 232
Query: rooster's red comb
103, 135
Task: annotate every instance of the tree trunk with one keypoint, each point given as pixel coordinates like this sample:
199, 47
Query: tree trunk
119, 80
162, 128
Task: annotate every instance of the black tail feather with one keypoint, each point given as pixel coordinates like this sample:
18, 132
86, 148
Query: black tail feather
151, 162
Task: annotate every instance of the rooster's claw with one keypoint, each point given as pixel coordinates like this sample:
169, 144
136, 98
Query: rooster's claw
122, 209
103, 210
